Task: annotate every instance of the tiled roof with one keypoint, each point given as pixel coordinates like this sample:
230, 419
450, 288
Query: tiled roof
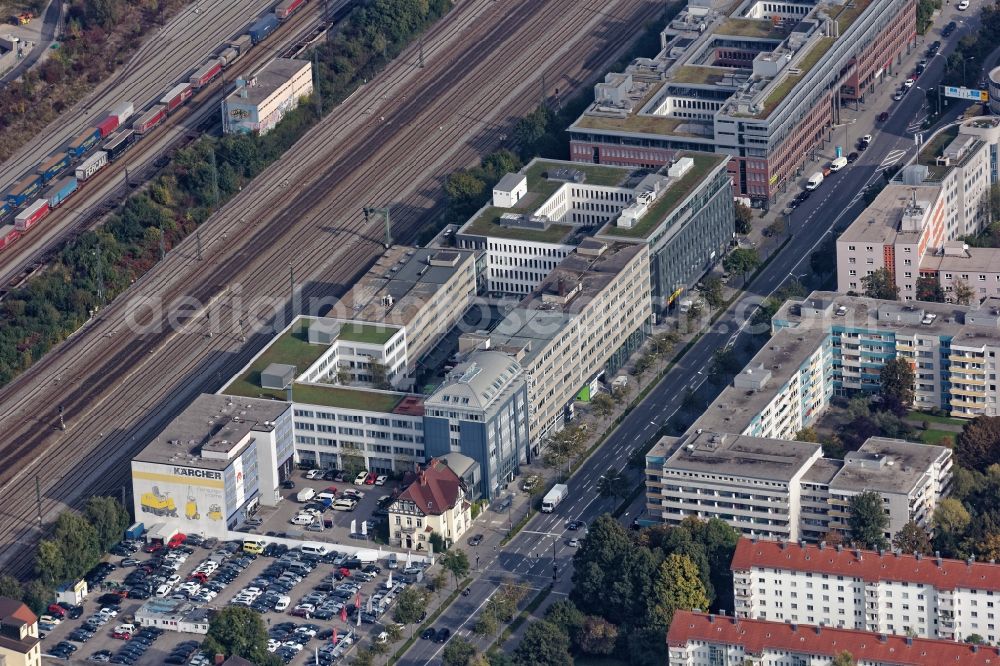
434, 490
12, 608
756, 636
869, 565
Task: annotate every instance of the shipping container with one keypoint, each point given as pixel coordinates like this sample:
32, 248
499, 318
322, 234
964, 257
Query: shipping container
92, 165
204, 74
119, 143
107, 126
8, 234
30, 216
243, 43
135, 532
51, 167
83, 143
176, 96
62, 190
150, 119
285, 8
5, 210
24, 190
229, 56
122, 111
260, 30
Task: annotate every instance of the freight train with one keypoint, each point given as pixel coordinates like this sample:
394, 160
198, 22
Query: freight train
24, 204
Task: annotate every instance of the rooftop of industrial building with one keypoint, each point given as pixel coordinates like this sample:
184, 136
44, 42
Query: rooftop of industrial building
261, 85
737, 455
211, 422
890, 465
881, 221
971, 261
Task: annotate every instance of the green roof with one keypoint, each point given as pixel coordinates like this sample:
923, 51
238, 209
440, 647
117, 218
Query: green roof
291, 348
318, 394
933, 149
679, 190
850, 13
642, 123
376, 334
785, 87
699, 74
744, 27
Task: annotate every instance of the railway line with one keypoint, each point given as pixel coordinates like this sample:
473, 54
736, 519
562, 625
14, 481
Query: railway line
126, 372
88, 206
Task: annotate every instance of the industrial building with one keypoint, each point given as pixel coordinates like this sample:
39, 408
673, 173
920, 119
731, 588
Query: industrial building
261, 100
173, 615
214, 464
759, 82
885, 592
697, 639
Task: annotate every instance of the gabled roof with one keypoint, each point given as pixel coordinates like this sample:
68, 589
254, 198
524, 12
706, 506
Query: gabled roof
12, 610
434, 489
756, 636
869, 565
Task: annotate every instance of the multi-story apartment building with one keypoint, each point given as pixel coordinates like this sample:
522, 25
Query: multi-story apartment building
910, 227
684, 213
424, 290
952, 348
19, 643
884, 592
760, 82
700, 639
481, 411
586, 317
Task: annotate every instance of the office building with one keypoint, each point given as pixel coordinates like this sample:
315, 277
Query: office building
19, 643
584, 319
699, 639
433, 500
261, 100
761, 83
214, 464
885, 592
173, 615
481, 411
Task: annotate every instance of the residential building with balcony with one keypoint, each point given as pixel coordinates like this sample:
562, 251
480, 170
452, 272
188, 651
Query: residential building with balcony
877, 591
761, 83
433, 500
700, 639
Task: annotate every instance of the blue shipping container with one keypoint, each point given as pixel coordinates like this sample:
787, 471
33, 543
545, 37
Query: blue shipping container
84, 142
5, 210
61, 191
24, 190
51, 167
135, 532
262, 28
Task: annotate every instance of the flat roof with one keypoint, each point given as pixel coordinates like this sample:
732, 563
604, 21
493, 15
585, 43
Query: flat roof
980, 260
213, 422
887, 465
880, 221
269, 78
741, 456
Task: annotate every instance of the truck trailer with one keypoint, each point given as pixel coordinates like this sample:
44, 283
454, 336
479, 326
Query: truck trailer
122, 111
286, 8
243, 43
204, 74
51, 167
150, 119
228, 56
31, 215
108, 125
8, 234
119, 143
23, 190
178, 95
260, 30
91, 165
62, 190
554, 496
82, 144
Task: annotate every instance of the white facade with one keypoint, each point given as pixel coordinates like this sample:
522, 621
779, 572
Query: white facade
260, 102
516, 267
509, 190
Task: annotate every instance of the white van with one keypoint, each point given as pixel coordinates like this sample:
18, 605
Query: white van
314, 549
814, 181
838, 164
302, 519
282, 603
305, 495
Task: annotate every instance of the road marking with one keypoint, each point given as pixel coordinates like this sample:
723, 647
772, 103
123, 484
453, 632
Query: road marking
891, 158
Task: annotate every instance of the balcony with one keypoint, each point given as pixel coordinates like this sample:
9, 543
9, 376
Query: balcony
966, 359
970, 369
967, 380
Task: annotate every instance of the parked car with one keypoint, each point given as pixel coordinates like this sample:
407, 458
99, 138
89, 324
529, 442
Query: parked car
475, 539
884, 116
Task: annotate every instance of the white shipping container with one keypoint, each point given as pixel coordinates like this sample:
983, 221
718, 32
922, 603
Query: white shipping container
92, 165
123, 111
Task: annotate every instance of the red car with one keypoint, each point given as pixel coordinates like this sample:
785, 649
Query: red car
332, 490
176, 541
152, 547
370, 479
123, 635
57, 610
201, 577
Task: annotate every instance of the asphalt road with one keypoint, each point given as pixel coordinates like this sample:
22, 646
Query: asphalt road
530, 556
52, 18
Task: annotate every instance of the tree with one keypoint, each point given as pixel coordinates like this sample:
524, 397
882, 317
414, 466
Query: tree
712, 291
38, 596
896, 379
438, 544
564, 445
363, 658
10, 587
989, 547
975, 639
845, 658
951, 517
237, 630
565, 615
807, 434
880, 284
678, 586
109, 518
868, 521
79, 543
597, 565
978, 444
744, 218
645, 646
642, 365
543, 645
411, 605
456, 562
458, 652
929, 289
597, 636
912, 538
724, 363
602, 404
964, 294
742, 261
613, 485
50, 565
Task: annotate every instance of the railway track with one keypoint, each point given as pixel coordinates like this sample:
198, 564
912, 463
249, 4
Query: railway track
390, 143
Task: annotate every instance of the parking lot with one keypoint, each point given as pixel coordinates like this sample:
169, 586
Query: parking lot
303, 598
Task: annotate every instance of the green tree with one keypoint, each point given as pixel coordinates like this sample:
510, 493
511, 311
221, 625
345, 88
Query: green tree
564, 445
951, 517
543, 645
603, 405
868, 521
912, 538
109, 518
363, 658
744, 218
978, 445
597, 565
725, 363
712, 291
38, 596
237, 630
104, 13
458, 652
975, 639
565, 615
929, 289
896, 380
79, 543
678, 586
824, 260
613, 485
438, 544
456, 562
845, 658
50, 564
742, 260
880, 284
964, 294
807, 434
411, 605
597, 636
10, 587
645, 646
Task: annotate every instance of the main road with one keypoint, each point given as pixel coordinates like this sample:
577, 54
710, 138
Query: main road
179, 330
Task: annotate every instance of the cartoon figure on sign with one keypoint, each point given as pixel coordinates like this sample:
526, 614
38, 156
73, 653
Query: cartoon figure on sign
191, 510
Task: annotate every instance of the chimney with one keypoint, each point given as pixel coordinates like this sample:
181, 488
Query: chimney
969, 561
822, 545
882, 638
219, 659
711, 618
975, 648
753, 539
840, 547
909, 640
784, 544
795, 627
423, 478
919, 556
819, 629
881, 552
857, 553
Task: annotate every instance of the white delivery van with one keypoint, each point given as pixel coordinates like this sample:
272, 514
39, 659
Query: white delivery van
314, 549
838, 164
814, 181
305, 495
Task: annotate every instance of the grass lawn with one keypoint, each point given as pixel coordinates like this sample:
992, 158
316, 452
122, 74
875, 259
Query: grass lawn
922, 416
370, 333
933, 149
935, 436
